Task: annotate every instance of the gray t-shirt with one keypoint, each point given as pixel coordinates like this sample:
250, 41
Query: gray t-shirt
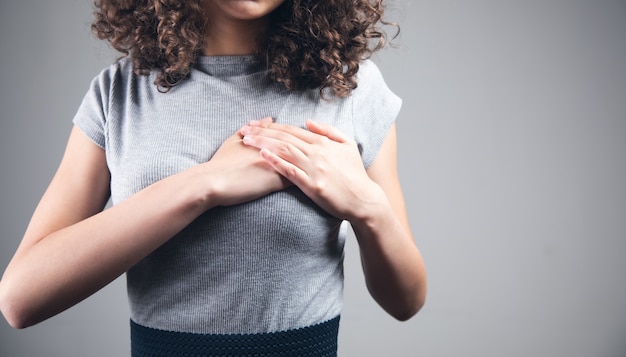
269, 265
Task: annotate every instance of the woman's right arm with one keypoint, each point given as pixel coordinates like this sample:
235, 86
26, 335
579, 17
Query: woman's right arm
72, 248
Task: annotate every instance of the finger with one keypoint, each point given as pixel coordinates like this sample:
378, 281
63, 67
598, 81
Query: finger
326, 130
288, 147
264, 123
288, 170
298, 132
293, 135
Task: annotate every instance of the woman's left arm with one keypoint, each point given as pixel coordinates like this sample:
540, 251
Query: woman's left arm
394, 270
326, 166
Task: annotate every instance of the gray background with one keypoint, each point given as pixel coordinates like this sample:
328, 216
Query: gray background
512, 157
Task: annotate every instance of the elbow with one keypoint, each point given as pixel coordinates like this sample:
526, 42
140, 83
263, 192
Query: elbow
14, 319
406, 314
9, 311
412, 303
404, 309
13, 311
402, 305
407, 311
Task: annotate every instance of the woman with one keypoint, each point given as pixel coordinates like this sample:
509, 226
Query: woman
233, 140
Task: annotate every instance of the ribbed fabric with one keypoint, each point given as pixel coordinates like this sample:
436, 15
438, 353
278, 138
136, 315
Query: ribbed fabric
313, 341
272, 264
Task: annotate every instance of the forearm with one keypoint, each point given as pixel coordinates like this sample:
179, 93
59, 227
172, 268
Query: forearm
326, 165
394, 270
70, 264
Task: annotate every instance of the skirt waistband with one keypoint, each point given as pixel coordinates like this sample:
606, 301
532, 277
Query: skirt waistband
316, 340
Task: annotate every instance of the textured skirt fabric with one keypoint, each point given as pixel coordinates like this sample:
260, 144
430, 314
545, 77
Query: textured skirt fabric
316, 340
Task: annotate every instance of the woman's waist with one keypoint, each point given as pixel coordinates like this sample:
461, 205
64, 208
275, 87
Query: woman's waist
314, 340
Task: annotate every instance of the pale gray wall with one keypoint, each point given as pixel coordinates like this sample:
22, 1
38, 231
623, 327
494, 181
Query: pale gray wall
512, 155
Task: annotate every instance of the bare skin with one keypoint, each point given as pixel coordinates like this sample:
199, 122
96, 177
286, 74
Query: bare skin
326, 166
72, 248
235, 24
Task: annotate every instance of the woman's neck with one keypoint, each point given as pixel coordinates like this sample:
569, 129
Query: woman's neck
230, 37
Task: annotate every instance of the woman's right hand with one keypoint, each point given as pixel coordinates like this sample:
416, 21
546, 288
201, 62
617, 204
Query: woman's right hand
72, 248
239, 174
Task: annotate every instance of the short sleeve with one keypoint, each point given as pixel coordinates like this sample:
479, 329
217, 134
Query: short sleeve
374, 110
91, 115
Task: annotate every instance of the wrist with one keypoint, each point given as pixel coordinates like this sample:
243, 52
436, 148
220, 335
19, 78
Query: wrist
200, 189
371, 210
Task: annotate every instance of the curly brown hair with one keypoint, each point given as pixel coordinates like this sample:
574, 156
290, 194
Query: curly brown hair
308, 43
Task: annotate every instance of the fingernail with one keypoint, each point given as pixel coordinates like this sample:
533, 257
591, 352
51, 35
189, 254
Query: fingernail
247, 139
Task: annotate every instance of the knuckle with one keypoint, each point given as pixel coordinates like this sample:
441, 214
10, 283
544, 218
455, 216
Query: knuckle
285, 150
319, 187
291, 172
321, 164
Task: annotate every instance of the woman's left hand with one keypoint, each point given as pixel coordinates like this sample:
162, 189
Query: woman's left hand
327, 167
323, 162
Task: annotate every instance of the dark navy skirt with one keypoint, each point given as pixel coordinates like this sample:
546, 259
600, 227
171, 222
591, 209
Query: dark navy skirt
316, 340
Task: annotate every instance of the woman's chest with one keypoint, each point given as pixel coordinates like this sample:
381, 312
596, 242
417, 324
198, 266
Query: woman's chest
150, 140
